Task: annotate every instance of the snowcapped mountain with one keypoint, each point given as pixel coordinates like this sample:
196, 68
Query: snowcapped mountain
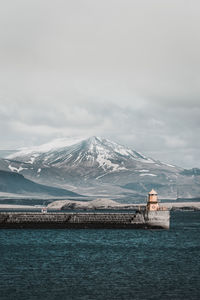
99, 165
92, 152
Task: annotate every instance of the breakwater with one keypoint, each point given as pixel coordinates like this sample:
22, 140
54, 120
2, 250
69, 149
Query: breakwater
141, 219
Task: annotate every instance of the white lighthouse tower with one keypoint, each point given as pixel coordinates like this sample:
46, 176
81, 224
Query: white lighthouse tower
152, 203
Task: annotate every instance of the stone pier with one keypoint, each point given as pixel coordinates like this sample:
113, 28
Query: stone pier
76, 220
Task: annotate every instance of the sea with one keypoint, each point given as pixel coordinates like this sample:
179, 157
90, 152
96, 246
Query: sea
102, 264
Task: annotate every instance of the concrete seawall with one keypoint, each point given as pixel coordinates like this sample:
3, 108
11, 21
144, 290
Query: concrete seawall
79, 220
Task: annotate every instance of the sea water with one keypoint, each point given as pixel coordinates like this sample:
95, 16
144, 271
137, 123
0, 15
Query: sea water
103, 264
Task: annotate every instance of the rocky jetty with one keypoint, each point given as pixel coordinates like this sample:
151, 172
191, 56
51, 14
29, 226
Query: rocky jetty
110, 204
94, 204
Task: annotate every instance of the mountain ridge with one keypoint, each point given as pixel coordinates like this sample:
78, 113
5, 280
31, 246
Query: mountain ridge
102, 167
107, 154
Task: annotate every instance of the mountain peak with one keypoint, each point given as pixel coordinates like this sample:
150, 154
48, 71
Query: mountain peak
109, 145
97, 161
92, 152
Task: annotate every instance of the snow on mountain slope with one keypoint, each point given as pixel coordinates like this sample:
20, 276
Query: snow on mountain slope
51, 146
99, 164
93, 158
94, 151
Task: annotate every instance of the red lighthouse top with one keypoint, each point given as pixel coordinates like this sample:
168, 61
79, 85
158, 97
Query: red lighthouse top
153, 192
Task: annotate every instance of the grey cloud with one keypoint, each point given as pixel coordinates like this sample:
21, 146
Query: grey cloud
127, 70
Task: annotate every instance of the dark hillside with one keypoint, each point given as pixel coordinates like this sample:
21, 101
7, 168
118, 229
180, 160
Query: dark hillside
11, 182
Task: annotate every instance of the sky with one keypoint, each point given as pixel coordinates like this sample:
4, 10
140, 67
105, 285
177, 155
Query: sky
127, 70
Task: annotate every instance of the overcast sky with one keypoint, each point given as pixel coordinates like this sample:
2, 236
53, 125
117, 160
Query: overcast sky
127, 70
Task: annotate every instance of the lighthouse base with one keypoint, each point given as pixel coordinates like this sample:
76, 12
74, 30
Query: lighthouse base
158, 218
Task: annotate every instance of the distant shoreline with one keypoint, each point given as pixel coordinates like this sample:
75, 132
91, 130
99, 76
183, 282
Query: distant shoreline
60, 206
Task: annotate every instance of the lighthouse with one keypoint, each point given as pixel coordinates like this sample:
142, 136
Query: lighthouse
152, 203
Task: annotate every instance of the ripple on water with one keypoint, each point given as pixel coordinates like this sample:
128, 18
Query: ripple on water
102, 264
